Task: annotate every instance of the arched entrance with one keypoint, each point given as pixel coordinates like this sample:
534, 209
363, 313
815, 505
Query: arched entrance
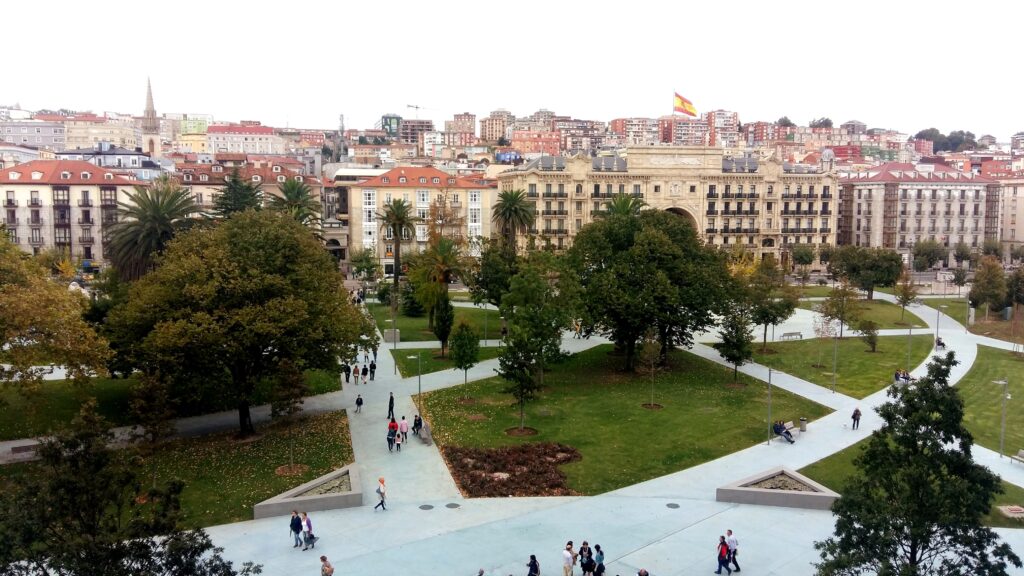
682, 212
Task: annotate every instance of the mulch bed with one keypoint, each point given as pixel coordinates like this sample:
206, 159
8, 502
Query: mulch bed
524, 470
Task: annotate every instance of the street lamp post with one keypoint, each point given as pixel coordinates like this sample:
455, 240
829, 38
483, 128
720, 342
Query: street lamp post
1002, 427
394, 326
419, 382
938, 316
769, 442
835, 359
485, 324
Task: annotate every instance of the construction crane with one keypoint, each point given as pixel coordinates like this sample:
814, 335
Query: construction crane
417, 108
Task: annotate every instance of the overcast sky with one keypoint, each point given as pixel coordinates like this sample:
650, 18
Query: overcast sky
897, 64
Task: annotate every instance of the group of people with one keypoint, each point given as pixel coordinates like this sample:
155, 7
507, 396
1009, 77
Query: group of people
368, 370
301, 528
728, 547
902, 377
779, 428
591, 560
398, 431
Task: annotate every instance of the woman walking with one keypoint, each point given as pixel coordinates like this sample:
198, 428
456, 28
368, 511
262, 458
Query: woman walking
533, 566
382, 493
392, 432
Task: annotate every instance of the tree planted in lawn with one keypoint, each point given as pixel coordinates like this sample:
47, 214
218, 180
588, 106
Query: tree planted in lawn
927, 253
989, 285
286, 401
227, 305
444, 317
736, 345
491, 274
824, 328
365, 264
905, 293
465, 349
960, 279
961, 253
83, 512
842, 305
771, 300
915, 505
803, 257
869, 333
866, 268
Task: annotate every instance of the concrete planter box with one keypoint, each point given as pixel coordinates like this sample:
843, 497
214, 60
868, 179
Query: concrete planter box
392, 335
816, 496
284, 503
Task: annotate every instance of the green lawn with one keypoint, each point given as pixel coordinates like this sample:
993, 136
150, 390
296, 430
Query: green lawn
431, 362
224, 478
415, 329
814, 291
589, 404
59, 400
983, 400
956, 308
886, 314
834, 470
859, 372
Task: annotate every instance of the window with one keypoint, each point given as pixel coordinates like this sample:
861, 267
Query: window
422, 196
86, 175
657, 188
401, 180
256, 178
277, 169
389, 232
435, 180
65, 175
636, 189
385, 180
423, 179
692, 188
187, 177
474, 196
281, 179
531, 189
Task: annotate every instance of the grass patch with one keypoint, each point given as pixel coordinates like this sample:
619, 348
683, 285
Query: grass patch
429, 357
955, 308
886, 314
983, 402
837, 468
415, 329
859, 373
59, 400
814, 291
225, 478
589, 404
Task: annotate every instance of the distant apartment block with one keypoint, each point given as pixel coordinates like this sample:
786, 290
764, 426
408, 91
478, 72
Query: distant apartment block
49, 134
493, 127
243, 139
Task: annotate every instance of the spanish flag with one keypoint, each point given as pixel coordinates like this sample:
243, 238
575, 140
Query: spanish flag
683, 105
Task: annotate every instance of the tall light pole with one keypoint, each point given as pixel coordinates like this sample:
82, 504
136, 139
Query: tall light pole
769, 442
419, 382
835, 358
394, 328
938, 316
1002, 428
485, 324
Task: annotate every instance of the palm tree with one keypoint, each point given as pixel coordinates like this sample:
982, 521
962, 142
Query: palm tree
146, 223
513, 212
434, 270
623, 205
297, 200
399, 217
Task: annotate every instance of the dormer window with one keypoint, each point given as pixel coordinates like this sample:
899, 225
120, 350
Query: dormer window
203, 177
436, 180
277, 168
65, 175
298, 178
280, 178
188, 177
86, 175
37, 175
401, 180
256, 178
451, 180
385, 179
108, 176
423, 180
218, 168
14, 175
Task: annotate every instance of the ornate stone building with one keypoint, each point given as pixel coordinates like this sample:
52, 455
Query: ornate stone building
755, 202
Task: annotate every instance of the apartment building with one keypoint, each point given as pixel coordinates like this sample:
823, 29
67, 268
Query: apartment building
39, 133
759, 203
464, 123
545, 142
243, 139
205, 181
635, 131
88, 130
493, 127
409, 130
1011, 213
468, 200
62, 204
895, 205
682, 130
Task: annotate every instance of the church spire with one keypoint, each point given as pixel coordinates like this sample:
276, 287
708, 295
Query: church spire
150, 123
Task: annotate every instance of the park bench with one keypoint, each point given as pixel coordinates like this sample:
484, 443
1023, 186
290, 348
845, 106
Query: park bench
1019, 457
792, 428
792, 336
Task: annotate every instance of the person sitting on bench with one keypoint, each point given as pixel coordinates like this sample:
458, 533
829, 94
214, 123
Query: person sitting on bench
780, 430
939, 344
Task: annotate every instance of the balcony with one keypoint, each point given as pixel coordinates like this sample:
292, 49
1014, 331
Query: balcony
710, 230
711, 212
36, 221
108, 220
35, 202
712, 195
85, 203
602, 194
10, 203
532, 194
62, 222
554, 212
61, 202
11, 221
556, 231
826, 212
556, 195
826, 194
86, 240
35, 241
108, 202
62, 242
86, 221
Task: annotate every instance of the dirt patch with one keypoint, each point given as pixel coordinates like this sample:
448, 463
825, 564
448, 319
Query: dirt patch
467, 401
650, 406
736, 385
783, 482
291, 469
525, 470
524, 431
339, 485
476, 417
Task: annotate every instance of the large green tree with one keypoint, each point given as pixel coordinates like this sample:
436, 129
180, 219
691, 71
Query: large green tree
491, 275
989, 285
83, 511
736, 338
771, 300
905, 292
513, 212
432, 270
296, 199
238, 195
915, 503
927, 253
961, 253
842, 305
803, 257
866, 268
398, 217
648, 270
464, 349
146, 222
365, 264
444, 317
229, 304
960, 279
41, 324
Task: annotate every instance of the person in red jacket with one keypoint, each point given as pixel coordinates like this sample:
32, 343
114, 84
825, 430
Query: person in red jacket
723, 556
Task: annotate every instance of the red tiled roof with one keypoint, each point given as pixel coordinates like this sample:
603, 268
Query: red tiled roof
266, 174
905, 172
226, 156
236, 129
393, 179
50, 173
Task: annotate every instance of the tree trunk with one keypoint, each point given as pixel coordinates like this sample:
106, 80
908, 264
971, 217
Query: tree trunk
465, 376
630, 351
764, 345
522, 413
245, 427
398, 263
735, 372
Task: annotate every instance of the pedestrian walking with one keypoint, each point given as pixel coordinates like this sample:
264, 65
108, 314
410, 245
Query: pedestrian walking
391, 406
568, 559
416, 425
373, 368
310, 539
295, 527
734, 544
374, 352
856, 418
325, 567
347, 370
533, 566
366, 356
366, 372
599, 560
398, 442
403, 428
392, 432
382, 494
359, 403
723, 556
355, 372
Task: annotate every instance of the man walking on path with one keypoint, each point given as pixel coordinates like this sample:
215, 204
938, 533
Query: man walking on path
391, 406
382, 493
359, 403
296, 528
373, 368
348, 372
733, 544
856, 418
403, 428
723, 556
366, 371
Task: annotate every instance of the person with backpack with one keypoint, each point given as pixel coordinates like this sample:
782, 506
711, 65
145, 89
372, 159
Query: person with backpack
382, 493
598, 560
373, 369
366, 372
533, 566
392, 432
348, 372
856, 418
